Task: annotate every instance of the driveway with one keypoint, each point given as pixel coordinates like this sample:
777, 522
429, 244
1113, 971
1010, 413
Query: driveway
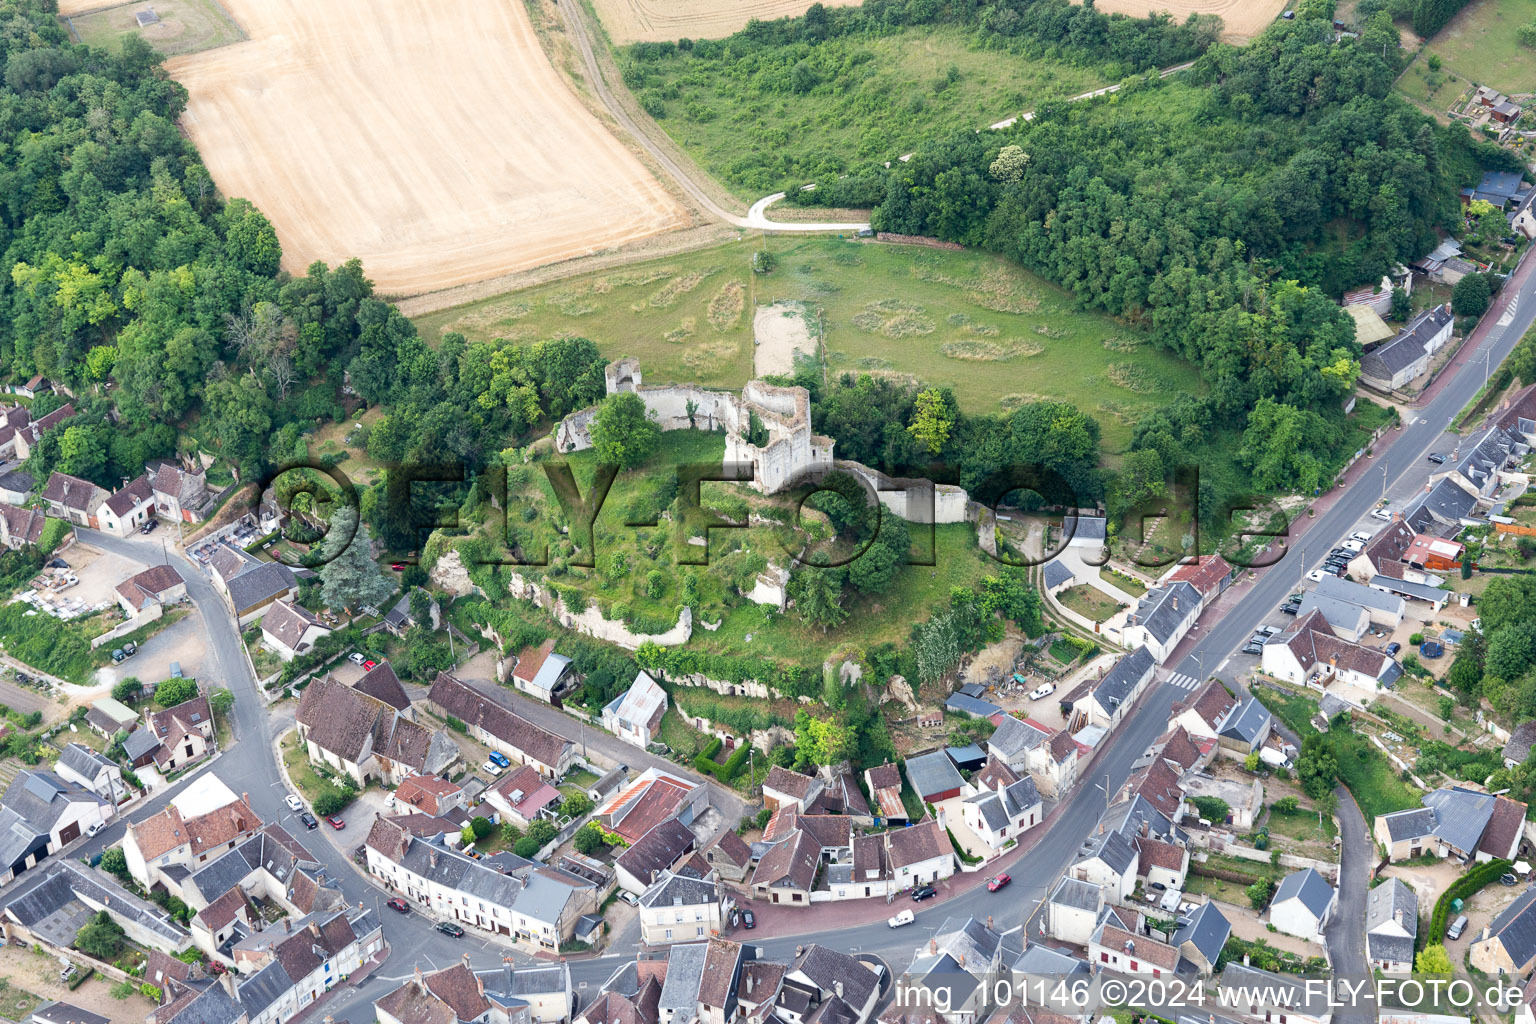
184, 641
1345, 934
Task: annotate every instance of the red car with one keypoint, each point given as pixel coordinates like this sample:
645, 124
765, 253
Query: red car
996, 883
396, 903
397, 566
369, 666
335, 822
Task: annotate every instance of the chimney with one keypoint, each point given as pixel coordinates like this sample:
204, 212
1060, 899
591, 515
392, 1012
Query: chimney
962, 962
314, 929
933, 947
1245, 959
288, 925
1397, 915
106, 899
418, 977
1144, 827
1101, 828
837, 986
479, 983
749, 982
432, 858
1175, 602
464, 957
227, 979
989, 922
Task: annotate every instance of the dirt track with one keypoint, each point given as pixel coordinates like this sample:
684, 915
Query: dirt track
653, 21
433, 140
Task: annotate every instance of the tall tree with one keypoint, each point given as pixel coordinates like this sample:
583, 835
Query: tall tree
622, 434
350, 578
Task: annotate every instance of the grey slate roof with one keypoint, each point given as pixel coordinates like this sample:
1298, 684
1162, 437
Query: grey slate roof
1286, 990
1415, 823
1042, 961
1247, 721
971, 706
1339, 589
1206, 928
259, 583
505, 983
84, 760
1123, 677
1340, 614
1409, 345
1445, 501
45, 891
1520, 741
18, 838
670, 888
65, 1013
828, 967
1088, 528
933, 773
1157, 613
1421, 591
1311, 888
1074, 892
1012, 737
685, 973
140, 742
1383, 906
1113, 848
1460, 816
1515, 928
264, 988
212, 1006
1056, 574
41, 797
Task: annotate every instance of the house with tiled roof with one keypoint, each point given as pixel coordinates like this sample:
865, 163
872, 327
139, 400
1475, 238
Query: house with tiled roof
1159, 861
73, 499
729, 856
648, 800
181, 495
1124, 950
1208, 574
802, 849
30, 433
676, 908
1454, 822
664, 848
1181, 749
21, 526
128, 508
362, 736
12, 419
1521, 740
158, 585
201, 823
785, 788
381, 683
107, 717
1310, 653
429, 794
288, 629
500, 728
184, 734
826, 986
541, 673
539, 994
884, 785
523, 795
634, 716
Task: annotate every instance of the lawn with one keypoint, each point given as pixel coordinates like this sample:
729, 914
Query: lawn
1125, 582
873, 98
185, 26
1480, 45
307, 781
1086, 600
974, 322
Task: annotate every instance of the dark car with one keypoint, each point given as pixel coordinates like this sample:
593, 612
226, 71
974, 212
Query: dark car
1393, 648
1290, 609
1436, 458
149, 527
923, 892
449, 928
997, 882
1159, 886
1252, 648
747, 920
309, 820
396, 903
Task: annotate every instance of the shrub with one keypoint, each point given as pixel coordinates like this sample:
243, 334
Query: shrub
122, 990
333, 799
1213, 809
1416, 638
589, 840
480, 827
1466, 885
115, 863
1286, 805
457, 725
527, 847
1259, 893
101, 937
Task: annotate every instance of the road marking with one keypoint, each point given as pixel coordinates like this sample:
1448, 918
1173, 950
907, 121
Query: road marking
1182, 682
1509, 312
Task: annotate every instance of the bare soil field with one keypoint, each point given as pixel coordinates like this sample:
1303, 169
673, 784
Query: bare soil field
433, 140
1242, 19
656, 21
782, 331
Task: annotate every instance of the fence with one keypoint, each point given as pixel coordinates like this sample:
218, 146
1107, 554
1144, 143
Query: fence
1514, 528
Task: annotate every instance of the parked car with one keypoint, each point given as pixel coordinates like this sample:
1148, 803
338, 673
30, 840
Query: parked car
397, 566
396, 903
1253, 648
905, 917
176, 670
1385, 515
355, 658
1362, 536
501, 759
1354, 547
449, 928
1316, 575
149, 527
1289, 609
1042, 691
369, 666
1457, 927
335, 823
998, 881
923, 892
747, 920
1436, 458
491, 768
119, 656
293, 802
97, 827
309, 820
1393, 648
1269, 630
629, 897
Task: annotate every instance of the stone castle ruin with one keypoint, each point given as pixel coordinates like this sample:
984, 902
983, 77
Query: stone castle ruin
789, 455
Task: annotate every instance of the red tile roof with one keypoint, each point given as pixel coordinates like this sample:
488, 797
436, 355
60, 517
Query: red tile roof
1205, 574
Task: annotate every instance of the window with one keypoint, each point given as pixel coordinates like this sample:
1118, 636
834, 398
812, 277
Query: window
1135, 966
1104, 957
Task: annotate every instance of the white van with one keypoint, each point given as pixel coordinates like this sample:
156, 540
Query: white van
1457, 927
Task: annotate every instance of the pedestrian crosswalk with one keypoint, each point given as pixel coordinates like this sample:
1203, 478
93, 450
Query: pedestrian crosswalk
1183, 682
